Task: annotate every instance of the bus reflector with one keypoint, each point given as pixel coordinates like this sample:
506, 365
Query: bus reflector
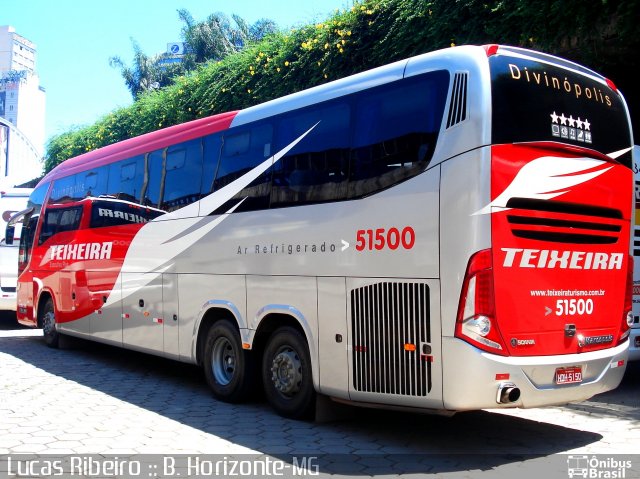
409, 347
476, 323
502, 376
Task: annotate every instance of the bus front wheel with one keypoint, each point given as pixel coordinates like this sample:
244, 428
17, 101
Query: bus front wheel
48, 323
227, 367
286, 374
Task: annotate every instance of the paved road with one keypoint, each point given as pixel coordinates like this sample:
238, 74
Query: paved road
95, 399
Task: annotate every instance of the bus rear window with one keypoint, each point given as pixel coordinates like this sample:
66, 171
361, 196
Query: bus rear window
59, 220
116, 213
536, 101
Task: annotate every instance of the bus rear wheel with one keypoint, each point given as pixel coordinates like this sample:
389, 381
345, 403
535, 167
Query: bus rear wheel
286, 374
228, 368
47, 320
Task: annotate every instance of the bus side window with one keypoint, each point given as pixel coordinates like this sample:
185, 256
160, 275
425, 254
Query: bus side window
66, 190
212, 148
126, 178
93, 183
243, 150
183, 174
316, 169
153, 178
396, 128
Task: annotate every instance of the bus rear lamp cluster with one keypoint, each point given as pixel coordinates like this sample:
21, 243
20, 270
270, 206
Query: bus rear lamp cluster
476, 323
507, 393
627, 314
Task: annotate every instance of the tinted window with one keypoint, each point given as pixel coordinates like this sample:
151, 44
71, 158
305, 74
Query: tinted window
242, 150
59, 220
535, 101
396, 128
316, 169
212, 147
153, 178
80, 185
93, 182
183, 175
66, 189
126, 179
30, 222
116, 213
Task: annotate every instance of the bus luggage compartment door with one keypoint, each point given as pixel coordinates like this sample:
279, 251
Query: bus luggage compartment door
395, 341
142, 312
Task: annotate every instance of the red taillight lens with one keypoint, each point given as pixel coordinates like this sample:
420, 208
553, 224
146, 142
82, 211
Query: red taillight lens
627, 312
476, 321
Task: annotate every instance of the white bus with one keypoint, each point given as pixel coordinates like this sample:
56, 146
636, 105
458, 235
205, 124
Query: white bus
12, 201
448, 232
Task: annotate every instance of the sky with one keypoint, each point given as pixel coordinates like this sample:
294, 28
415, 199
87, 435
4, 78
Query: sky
75, 39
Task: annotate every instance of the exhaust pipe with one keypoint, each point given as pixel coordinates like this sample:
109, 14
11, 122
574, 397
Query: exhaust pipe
508, 393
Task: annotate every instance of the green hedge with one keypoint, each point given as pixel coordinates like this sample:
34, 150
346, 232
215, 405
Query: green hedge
598, 33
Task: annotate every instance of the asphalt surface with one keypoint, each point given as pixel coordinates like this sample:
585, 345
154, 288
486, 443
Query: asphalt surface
97, 400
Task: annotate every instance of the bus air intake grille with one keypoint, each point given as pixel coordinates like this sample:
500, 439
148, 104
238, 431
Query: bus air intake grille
391, 339
458, 105
563, 207
562, 222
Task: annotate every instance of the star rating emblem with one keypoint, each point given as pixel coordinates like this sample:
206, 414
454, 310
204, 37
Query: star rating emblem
574, 128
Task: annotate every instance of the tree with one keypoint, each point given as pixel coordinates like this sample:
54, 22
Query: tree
146, 73
217, 37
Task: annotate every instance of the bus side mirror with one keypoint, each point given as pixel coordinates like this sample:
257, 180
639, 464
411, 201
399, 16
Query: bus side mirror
8, 237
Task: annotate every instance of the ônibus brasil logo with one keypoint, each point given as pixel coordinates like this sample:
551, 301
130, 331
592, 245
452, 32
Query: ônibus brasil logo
596, 468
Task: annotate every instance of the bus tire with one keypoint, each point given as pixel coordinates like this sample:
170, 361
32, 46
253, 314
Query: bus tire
228, 369
47, 319
287, 376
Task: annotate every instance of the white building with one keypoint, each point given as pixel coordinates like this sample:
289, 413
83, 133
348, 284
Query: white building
22, 110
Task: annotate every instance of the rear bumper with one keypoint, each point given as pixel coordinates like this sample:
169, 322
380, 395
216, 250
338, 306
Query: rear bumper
8, 301
470, 376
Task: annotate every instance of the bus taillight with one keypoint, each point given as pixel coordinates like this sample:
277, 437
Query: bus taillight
476, 321
627, 312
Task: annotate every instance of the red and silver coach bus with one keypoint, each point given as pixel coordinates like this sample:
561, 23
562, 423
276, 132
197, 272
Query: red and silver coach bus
448, 232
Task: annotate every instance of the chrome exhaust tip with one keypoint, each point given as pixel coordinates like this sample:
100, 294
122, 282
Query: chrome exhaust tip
507, 393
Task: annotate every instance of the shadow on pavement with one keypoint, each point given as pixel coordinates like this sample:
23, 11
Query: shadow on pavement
624, 401
471, 440
8, 321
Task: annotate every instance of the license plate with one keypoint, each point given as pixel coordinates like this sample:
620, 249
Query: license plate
569, 375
